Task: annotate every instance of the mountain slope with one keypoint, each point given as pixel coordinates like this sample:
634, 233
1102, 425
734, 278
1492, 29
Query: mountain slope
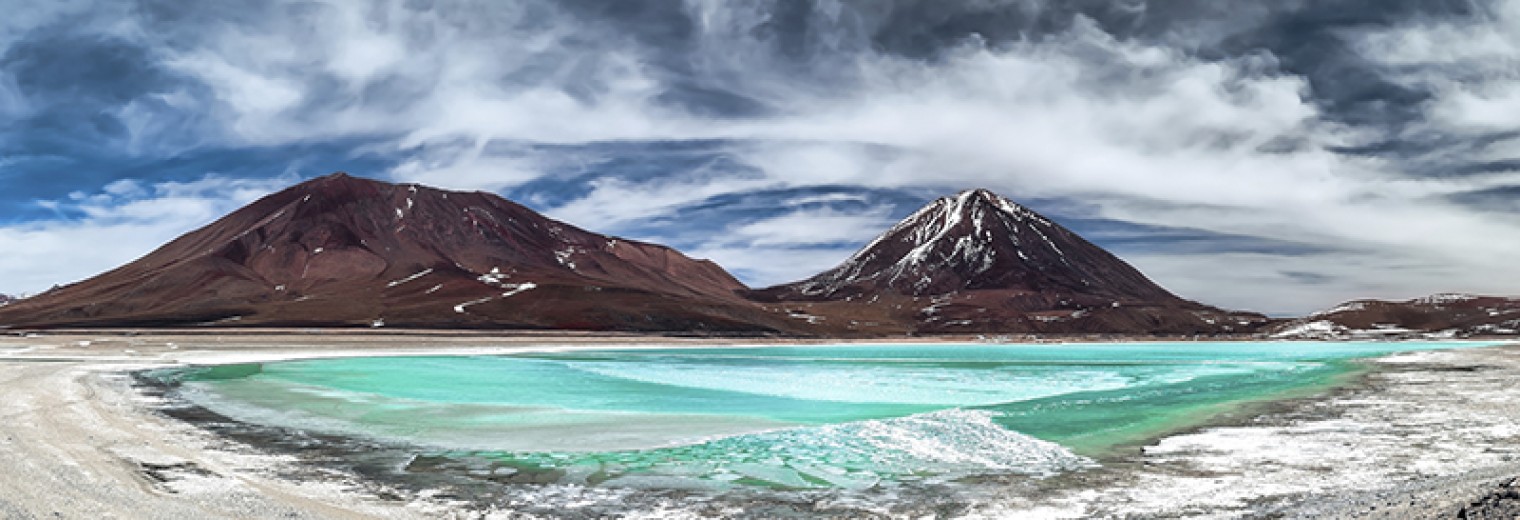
340, 250
979, 262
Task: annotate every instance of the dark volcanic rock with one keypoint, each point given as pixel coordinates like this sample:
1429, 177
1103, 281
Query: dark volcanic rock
1502, 503
977, 262
1457, 315
345, 251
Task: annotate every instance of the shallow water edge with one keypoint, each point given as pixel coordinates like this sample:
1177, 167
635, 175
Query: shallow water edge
480, 486
395, 471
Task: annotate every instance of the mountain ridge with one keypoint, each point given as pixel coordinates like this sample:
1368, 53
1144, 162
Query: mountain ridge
344, 251
1439, 315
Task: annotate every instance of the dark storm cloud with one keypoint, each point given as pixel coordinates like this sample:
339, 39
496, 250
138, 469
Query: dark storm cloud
1504, 200
72, 88
1310, 40
1311, 278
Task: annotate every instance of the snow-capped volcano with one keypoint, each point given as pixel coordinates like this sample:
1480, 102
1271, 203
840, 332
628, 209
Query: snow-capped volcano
341, 250
977, 261
979, 240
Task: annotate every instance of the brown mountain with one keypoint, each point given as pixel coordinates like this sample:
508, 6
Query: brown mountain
1456, 315
344, 251
977, 262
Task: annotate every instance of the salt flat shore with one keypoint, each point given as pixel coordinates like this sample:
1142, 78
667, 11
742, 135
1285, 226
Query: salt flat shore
1422, 436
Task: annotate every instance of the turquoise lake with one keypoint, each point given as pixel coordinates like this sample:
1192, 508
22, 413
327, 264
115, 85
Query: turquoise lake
780, 417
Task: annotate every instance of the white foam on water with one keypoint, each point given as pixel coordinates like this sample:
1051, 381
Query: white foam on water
936, 446
956, 442
928, 385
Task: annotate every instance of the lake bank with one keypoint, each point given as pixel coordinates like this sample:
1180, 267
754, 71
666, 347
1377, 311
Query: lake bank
1423, 435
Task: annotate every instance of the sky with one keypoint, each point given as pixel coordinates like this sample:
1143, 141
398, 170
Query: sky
1273, 155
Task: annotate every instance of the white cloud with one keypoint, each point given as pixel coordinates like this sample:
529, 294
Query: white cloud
124, 221
255, 98
614, 203
483, 71
824, 199
795, 244
23, 17
810, 227
1471, 65
466, 166
766, 266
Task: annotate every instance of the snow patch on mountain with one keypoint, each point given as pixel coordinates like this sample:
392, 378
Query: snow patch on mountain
1345, 307
411, 278
512, 290
959, 234
495, 277
1320, 329
1445, 298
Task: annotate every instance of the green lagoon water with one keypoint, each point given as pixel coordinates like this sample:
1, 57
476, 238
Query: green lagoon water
780, 417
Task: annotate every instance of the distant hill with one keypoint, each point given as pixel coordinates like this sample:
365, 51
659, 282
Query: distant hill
1447, 315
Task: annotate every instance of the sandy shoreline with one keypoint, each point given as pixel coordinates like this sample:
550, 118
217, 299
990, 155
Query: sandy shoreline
1426, 435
